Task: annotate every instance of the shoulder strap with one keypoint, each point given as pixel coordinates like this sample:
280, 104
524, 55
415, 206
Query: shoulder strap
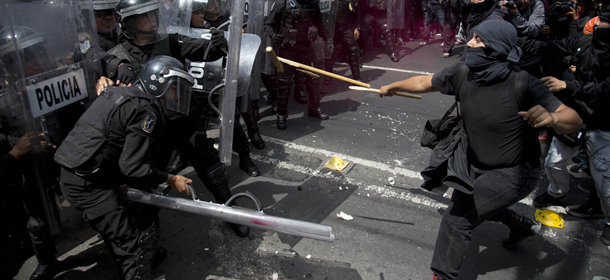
521, 85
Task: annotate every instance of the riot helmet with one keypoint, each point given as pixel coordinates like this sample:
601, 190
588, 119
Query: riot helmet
26, 46
166, 78
105, 16
197, 16
214, 9
140, 21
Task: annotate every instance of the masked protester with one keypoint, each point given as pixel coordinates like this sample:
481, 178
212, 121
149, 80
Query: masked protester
501, 109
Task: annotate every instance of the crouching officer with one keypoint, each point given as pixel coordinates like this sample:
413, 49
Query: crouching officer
112, 145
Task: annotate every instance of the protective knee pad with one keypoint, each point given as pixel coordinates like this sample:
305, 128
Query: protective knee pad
34, 226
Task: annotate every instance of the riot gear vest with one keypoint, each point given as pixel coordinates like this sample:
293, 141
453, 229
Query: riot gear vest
298, 18
85, 148
347, 11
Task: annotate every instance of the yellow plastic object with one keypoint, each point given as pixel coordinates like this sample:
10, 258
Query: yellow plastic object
336, 164
549, 218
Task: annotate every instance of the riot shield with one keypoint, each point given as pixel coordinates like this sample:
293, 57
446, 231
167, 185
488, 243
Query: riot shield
268, 68
255, 12
46, 83
396, 14
176, 15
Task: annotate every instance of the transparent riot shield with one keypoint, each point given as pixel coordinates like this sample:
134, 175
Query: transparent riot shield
236, 76
176, 15
268, 67
47, 80
396, 14
255, 12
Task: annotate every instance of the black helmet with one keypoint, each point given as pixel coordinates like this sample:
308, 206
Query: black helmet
199, 4
165, 78
130, 12
28, 45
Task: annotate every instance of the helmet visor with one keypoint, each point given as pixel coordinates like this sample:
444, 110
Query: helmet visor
177, 97
146, 28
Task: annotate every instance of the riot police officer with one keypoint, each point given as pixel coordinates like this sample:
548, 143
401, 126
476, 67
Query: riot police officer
294, 25
111, 145
346, 35
105, 22
146, 38
31, 52
378, 9
214, 14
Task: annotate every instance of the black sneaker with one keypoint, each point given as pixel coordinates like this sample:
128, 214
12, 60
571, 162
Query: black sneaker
605, 237
520, 230
545, 200
584, 211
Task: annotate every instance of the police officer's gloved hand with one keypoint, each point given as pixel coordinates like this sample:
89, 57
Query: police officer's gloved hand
125, 74
330, 48
218, 39
278, 39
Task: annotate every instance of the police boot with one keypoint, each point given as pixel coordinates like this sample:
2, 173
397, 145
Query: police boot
44, 248
391, 46
520, 229
314, 110
281, 122
283, 93
147, 242
300, 93
45, 271
242, 148
253, 131
255, 110
159, 257
354, 62
217, 182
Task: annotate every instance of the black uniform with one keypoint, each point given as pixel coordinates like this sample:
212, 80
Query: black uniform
111, 145
187, 134
378, 10
299, 22
347, 20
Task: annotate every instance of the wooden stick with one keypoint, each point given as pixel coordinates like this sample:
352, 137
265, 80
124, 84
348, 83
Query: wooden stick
274, 59
308, 73
377, 91
316, 70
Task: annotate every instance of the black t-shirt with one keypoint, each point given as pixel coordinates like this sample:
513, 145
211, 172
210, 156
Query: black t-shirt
497, 136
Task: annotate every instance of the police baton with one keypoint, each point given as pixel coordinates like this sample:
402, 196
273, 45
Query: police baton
396, 93
311, 69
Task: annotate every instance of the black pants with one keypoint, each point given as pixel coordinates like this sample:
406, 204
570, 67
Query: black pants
120, 226
494, 191
305, 56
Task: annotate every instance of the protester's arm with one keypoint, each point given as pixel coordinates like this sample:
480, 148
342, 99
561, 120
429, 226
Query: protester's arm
563, 120
417, 84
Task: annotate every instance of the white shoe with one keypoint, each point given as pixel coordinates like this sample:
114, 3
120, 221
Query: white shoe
459, 42
446, 55
442, 44
423, 43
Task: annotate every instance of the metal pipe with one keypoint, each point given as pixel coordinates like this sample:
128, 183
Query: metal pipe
256, 219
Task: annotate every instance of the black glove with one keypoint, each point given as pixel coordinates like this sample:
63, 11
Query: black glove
125, 74
218, 39
278, 39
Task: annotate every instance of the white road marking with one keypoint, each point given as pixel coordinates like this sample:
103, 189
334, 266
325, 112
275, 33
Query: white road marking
383, 190
392, 69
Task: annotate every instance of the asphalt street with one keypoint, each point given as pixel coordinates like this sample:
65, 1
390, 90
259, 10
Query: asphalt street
395, 223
